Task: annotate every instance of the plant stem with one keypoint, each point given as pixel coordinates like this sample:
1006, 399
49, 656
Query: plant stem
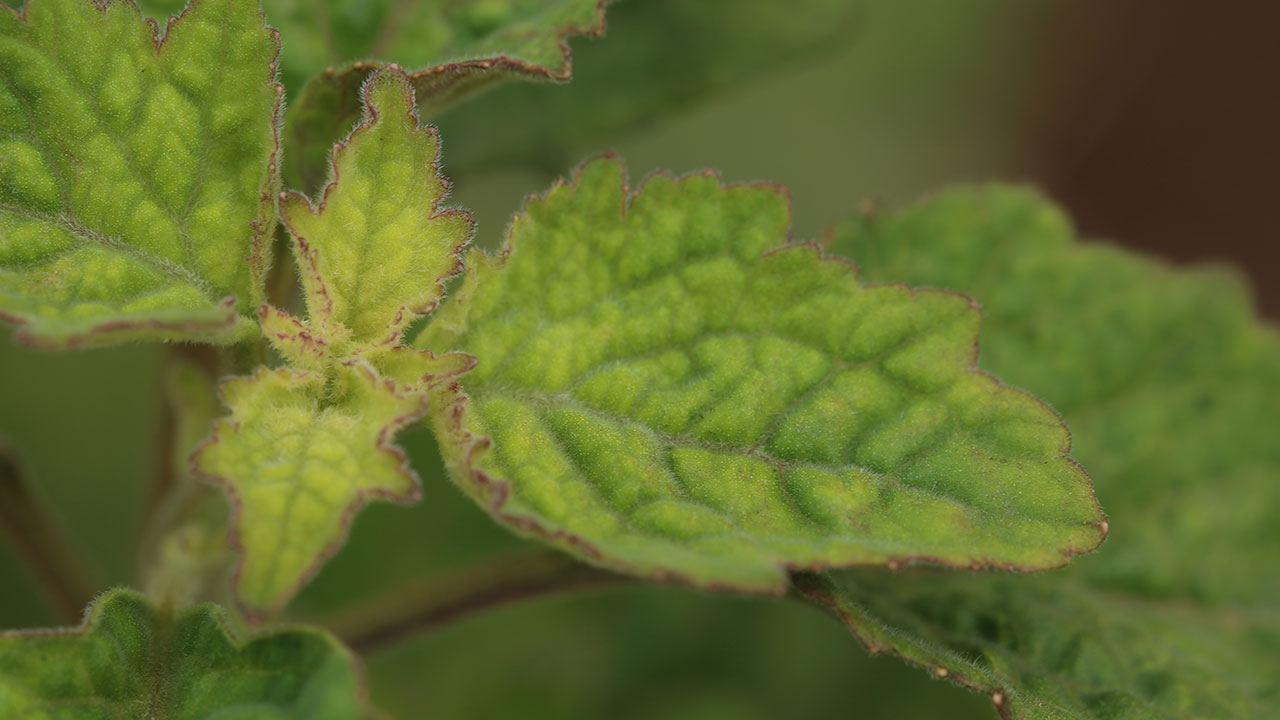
423, 607
42, 545
282, 279
172, 447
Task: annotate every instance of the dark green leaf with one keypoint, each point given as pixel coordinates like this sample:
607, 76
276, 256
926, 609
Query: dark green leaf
131, 660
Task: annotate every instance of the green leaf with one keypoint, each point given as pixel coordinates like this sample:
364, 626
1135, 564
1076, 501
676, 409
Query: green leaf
1173, 390
137, 176
305, 446
666, 388
485, 38
460, 48
376, 250
299, 455
132, 660
660, 57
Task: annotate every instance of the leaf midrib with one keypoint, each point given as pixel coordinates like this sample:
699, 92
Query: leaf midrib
563, 400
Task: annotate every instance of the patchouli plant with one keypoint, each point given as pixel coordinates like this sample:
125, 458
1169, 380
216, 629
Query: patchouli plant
659, 383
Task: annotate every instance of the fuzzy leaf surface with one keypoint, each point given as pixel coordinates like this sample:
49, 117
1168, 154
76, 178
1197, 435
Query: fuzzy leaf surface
455, 49
376, 249
666, 387
299, 455
306, 445
1172, 389
131, 660
137, 175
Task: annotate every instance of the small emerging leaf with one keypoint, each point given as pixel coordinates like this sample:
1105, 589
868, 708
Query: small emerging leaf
137, 175
376, 250
299, 456
305, 446
665, 387
1173, 390
131, 660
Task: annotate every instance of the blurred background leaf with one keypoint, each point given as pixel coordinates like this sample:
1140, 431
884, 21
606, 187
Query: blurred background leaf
1156, 129
1172, 392
666, 56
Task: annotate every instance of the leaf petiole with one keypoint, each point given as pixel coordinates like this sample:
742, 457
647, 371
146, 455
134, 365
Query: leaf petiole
41, 543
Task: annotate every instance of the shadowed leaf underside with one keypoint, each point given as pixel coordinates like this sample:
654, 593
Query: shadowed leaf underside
454, 49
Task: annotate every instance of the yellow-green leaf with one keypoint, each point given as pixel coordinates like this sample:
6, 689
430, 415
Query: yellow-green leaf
376, 248
137, 174
299, 455
666, 387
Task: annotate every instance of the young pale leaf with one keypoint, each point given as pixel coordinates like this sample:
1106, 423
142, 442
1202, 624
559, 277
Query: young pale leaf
305, 446
299, 455
132, 660
411, 370
1173, 391
460, 47
376, 250
666, 388
137, 175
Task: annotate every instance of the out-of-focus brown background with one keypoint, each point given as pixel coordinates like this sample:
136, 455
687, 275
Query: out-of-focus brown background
1158, 125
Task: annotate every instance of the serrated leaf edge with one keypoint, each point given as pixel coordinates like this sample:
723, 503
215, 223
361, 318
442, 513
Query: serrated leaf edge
447, 73
396, 325
229, 330
429, 381
497, 492
91, 612
262, 230
442, 80
362, 497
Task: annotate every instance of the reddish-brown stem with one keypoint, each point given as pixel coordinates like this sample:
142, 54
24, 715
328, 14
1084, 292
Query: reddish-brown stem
41, 544
426, 606
282, 280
